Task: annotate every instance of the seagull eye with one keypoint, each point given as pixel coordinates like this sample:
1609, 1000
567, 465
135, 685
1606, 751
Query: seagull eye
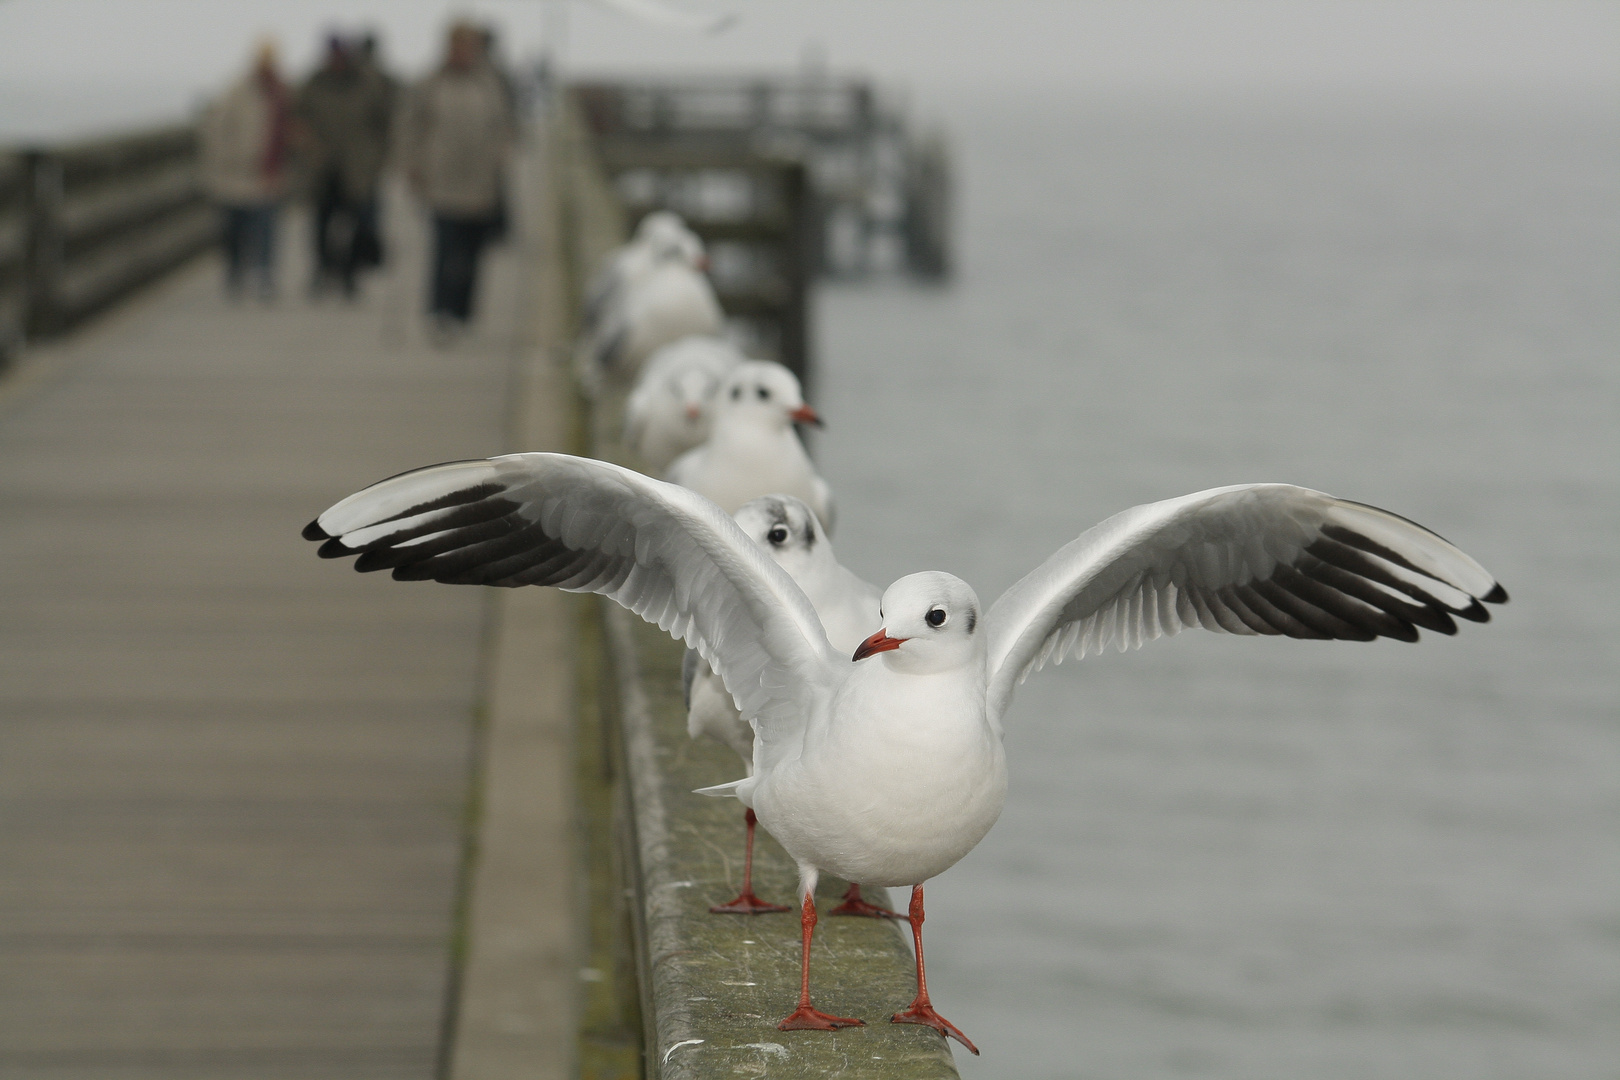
936, 617
778, 534
764, 394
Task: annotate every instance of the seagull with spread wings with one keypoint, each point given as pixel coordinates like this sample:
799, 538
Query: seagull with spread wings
886, 767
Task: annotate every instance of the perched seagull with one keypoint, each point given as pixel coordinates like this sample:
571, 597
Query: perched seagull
671, 408
671, 300
660, 235
887, 767
752, 449
848, 608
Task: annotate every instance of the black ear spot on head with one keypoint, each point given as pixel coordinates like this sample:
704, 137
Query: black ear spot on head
810, 531
736, 393
972, 620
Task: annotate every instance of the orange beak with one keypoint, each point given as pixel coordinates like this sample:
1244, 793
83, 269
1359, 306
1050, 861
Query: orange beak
693, 412
804, 414
878, 642
702, 263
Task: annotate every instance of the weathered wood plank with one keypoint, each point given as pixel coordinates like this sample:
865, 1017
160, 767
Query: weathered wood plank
232, 777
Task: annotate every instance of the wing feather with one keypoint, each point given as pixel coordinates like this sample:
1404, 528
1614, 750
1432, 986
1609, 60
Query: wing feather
1254, 559
666, 553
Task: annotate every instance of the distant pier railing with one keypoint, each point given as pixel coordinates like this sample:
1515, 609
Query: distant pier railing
83, 223
880, 196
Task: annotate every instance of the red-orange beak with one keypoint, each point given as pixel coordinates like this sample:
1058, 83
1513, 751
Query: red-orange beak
804, 414
878, 642
702, 263
693, 412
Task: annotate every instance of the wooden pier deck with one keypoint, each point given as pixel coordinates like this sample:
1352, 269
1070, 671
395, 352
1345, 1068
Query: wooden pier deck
233, 779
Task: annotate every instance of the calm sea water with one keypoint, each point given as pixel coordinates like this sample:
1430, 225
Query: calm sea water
1252, 859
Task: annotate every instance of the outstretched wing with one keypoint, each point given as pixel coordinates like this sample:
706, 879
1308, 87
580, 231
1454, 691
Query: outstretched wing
1249, 559
668, 554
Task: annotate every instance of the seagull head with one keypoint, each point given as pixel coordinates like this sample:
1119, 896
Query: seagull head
674, 242
930, 623
787, 529
694, 388
658, 223
766, 393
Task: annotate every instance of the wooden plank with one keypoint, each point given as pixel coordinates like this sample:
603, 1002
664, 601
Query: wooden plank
233, 776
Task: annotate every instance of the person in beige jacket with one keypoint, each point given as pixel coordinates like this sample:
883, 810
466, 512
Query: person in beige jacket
243, 140
455, 137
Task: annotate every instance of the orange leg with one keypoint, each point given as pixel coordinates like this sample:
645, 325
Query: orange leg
856, 904
806, 1017
747, 903
921, 1011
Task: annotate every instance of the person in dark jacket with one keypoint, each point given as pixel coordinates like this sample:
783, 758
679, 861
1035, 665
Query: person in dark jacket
345, 113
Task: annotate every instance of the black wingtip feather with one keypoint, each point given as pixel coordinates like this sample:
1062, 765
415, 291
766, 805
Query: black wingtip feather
1497, 595
334, 549
313, 531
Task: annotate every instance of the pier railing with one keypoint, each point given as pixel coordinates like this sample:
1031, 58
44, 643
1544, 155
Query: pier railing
81, 224
653, 985
878, 195
693, 994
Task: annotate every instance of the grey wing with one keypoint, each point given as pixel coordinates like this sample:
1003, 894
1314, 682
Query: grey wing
1250, 559
668, 554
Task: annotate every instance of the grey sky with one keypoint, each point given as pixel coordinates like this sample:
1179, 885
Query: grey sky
98, 63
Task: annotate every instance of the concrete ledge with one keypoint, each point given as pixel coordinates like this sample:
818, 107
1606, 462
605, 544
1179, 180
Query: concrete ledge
712, 987
715, 985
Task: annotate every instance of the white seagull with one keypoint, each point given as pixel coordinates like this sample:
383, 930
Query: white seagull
671, 300
671, 408
848, 608
753, 449
661, 234
887, 767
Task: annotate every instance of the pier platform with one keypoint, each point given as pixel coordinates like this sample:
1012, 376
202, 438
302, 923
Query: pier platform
234, 781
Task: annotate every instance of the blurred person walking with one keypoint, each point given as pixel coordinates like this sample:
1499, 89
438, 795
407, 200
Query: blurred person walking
456, 133
369, 57
244, 147
344, 111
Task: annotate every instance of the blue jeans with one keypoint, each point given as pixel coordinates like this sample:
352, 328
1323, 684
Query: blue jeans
457, 243
250, 245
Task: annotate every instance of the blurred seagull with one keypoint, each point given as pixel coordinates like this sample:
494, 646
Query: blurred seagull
848, 608
887, 767
671, 408
752, 449
660, 235
655, 295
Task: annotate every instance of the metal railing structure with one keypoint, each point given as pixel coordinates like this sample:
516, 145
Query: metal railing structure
84, 223
881, 197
